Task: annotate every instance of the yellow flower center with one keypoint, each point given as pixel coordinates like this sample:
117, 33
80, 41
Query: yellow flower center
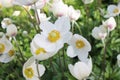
39, 51
54, 36
2, 48
29, 73
80, 44
116, 10
11, 53
0, 5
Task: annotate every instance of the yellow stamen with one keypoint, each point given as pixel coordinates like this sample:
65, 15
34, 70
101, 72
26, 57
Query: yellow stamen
29, 73
54, 36
80, 44
40, 50
11, 53
2, 48
116, 10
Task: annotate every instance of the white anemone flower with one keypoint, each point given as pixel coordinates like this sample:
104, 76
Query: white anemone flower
30, 69
87, 1
99, 32
110, 24
24, 2
39, 49
73, 14
6, 22
56, 34
118, 60
81, 70
112, 11
5, 45
7, 57
59, 8
11, 30
78, 46
6, 3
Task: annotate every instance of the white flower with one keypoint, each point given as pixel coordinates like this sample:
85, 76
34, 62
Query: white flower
59, 8
110, 24
87, 1
79, 46
30, 69
39, 49
24, 2
7, 57
5, 45
112, 11
6, 22
56, 34
99, 32
81, 70
11, 30
42, 16
6, 3
73, 14
118, 60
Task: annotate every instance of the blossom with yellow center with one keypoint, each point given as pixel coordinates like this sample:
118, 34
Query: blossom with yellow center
113, 10
78, 46
29, 72
5, 45
41, 49
54, 36
2, 48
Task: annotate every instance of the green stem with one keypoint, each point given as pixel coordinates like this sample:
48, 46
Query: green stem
64, 57
37, 62
17, 45
37, 17
31, 19
78, 27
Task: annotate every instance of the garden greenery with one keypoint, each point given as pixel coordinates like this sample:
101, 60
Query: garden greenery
59, 40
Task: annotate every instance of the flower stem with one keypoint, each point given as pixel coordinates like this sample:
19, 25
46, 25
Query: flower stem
17, 45
37, 62
30, 16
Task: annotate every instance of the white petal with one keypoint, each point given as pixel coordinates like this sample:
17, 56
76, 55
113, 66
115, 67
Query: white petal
5, 58
70, 52
71, 67
63, 24
41, 69
41, 41
66, 39
81, 70
83, 56
46, 26
11, 30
